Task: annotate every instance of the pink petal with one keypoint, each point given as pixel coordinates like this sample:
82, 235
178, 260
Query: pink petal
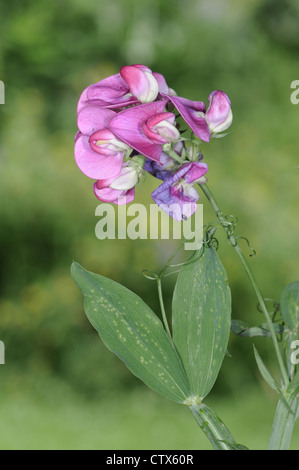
100, 184
196, 171
163, 87
106, 194
135, 79
105, 142
83, 100
142, 67
77, 136
110, 93
126, 198
128, 127
194, 105
103, 134
114, 195
92, 118
161, 117
94, 165
153, 136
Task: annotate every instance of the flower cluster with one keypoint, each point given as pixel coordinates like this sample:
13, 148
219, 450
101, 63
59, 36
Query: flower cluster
127, 127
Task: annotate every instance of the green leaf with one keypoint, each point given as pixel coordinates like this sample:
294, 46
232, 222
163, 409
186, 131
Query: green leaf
289, 304
264, 372
269, 378
131, 330
201, 311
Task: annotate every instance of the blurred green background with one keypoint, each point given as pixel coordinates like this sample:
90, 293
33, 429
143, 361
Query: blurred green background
60, 388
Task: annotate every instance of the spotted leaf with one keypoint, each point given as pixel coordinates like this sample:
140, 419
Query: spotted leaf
131, 330
201, 319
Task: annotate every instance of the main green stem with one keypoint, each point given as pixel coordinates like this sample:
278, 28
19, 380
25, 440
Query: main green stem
214, 428
234, 243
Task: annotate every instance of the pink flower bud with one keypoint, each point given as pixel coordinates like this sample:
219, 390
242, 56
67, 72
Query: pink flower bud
219, 115
141, 82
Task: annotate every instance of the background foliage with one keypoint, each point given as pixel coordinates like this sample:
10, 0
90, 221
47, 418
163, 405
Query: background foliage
49, 52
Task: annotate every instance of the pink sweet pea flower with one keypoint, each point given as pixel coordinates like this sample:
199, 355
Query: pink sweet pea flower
146, 128
134, 84
113, 92
141, 81
176, 195
219, 115
119, 190
98, 153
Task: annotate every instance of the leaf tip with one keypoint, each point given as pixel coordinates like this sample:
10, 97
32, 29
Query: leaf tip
76, 270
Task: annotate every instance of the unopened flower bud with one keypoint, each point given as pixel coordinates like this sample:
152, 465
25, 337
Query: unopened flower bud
141, 82
219, 116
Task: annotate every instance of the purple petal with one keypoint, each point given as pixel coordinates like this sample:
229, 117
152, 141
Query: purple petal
94, 165
162, 170
149, 166
172, 179
189, 111
178, 203
194, 105
156, 171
